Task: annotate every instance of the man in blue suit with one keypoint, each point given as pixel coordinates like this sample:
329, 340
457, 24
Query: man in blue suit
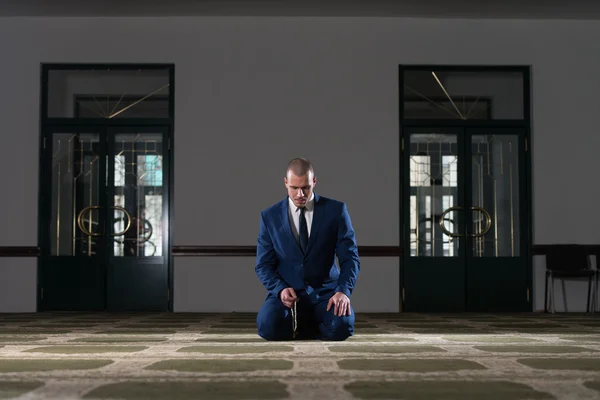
299, 239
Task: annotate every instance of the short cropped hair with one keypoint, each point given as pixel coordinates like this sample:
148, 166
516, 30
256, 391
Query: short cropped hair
299, 167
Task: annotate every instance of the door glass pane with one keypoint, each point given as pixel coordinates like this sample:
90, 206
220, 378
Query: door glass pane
109, 93
138, 195
433, 191
495, 201
75, 204
431, 93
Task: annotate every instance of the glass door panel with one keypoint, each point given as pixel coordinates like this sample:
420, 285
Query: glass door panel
138, 190
75, 202
73, 181
434, 219
495, 195
496, 266
138, 195
434, 263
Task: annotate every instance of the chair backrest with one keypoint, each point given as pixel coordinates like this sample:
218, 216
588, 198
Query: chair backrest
568, 257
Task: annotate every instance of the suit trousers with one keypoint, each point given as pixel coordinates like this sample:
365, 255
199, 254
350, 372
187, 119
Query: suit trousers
314, 322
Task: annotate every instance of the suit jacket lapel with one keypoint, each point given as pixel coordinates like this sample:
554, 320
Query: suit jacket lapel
316, 223
286, 223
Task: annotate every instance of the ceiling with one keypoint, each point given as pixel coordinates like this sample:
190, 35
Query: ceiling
534, 9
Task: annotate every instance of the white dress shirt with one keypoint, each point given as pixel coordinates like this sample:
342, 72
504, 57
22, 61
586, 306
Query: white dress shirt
294, 213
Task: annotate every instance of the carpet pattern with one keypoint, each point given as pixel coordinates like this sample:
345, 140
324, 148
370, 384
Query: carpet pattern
220, 356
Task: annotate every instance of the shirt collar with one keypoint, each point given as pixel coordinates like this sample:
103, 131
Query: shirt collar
310, 204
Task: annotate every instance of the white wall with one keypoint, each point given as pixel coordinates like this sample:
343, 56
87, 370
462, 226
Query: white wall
328, 83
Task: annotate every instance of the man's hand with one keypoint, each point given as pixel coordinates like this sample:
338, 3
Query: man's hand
341, 304
288, 297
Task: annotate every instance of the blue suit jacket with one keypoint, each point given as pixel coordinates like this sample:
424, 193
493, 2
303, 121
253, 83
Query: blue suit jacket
280, 262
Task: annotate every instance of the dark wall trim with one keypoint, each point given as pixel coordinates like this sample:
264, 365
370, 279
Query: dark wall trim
250, 251
216, 251
542, 249
227, 251
19, 251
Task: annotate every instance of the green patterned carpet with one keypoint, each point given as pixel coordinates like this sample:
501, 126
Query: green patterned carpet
220, 356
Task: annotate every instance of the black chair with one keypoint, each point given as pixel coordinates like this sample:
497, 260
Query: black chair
564, 261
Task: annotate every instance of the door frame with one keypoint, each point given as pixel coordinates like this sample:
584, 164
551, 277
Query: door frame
523, 124
47, 123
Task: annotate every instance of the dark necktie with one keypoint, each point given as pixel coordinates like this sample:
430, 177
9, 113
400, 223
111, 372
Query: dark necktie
303, 231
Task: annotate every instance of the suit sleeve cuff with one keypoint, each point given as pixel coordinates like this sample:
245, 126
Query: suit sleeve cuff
275, 292
343, 290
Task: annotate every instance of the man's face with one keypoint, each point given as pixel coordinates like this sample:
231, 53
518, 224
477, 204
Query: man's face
300, 188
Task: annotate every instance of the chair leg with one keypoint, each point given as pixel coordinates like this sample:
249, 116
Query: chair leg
546, 293
596, 293
589, 293
552, 299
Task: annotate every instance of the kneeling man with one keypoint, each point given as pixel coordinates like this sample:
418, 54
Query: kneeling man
299, 239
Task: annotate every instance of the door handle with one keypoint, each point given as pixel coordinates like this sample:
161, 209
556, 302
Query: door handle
442, 218
80, 223
127, 226
488, 221
88, 209
487, 216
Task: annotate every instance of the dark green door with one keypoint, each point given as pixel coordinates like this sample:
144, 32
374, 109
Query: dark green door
137, 196
465, 220
73, 249
104, 219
